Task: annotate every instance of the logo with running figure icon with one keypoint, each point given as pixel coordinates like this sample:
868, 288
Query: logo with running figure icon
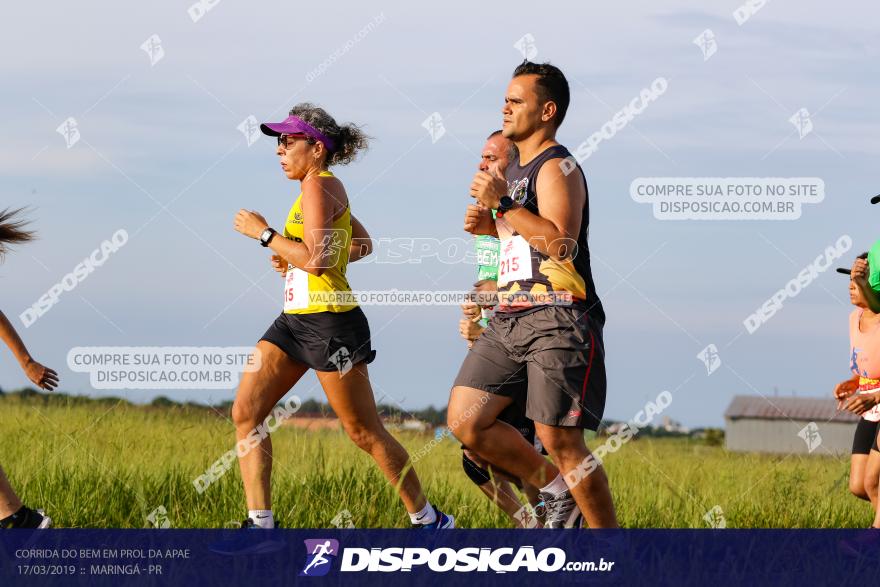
526, 46
802, 122
527, 517
69, 129
250, 128
343, 520
332, 244
715, 518
342, 359
710, 358
153, 48
810, 435
319, 556
707, 44
434, 125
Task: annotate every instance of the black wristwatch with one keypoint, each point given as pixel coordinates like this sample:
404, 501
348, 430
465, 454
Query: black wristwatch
505, 203
267, 236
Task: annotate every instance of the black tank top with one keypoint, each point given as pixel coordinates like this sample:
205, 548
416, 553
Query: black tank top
572, 278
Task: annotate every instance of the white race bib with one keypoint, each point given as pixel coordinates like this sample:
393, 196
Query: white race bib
872, 415
516, 260
296, 289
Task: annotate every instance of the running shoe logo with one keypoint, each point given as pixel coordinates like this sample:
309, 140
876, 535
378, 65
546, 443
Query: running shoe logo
319, 556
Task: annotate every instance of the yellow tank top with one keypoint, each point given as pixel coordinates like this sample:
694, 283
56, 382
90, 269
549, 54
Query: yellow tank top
305, 293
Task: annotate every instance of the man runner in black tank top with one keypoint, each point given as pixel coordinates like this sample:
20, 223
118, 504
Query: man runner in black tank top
547, 329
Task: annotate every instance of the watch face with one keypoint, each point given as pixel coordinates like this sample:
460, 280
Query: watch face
506, 202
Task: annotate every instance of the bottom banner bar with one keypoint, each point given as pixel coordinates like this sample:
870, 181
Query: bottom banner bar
631, 557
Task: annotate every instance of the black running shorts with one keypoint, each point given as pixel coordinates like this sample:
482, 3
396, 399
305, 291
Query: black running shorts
324, 341
865, 438
515, 415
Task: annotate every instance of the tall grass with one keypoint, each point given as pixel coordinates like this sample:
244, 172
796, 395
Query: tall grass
110, 465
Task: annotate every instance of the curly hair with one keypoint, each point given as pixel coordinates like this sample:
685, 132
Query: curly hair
348, 139
12, 230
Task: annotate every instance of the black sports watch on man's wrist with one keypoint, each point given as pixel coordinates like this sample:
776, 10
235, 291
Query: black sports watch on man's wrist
505, 203
267, 236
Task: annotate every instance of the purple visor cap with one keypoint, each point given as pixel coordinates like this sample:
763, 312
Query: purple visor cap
293, 125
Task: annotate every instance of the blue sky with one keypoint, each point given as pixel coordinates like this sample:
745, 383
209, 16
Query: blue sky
165, 135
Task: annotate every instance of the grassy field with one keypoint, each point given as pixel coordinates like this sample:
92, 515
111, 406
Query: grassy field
100, 464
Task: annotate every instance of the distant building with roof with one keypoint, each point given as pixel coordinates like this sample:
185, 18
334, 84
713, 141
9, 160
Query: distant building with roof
788, 425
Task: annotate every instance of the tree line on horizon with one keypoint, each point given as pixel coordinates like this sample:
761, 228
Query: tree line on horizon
311, 408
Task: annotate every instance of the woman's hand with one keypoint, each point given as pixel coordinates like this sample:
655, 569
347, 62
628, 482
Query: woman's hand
41, 376
250, 223
862, 402
278, 264
844, 389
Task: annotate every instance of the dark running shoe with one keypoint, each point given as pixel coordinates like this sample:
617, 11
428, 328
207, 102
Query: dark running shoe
27, 518
559, 511
248, 543
249, 524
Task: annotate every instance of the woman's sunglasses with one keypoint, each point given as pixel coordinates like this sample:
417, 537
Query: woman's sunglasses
284, 142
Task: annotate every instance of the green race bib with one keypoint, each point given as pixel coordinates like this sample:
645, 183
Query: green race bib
874, 267
487, 249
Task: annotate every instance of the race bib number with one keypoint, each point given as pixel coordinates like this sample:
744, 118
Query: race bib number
516, 260
296, 289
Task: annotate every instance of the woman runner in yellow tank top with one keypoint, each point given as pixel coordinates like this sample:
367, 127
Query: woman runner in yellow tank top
307, 293
320, 326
